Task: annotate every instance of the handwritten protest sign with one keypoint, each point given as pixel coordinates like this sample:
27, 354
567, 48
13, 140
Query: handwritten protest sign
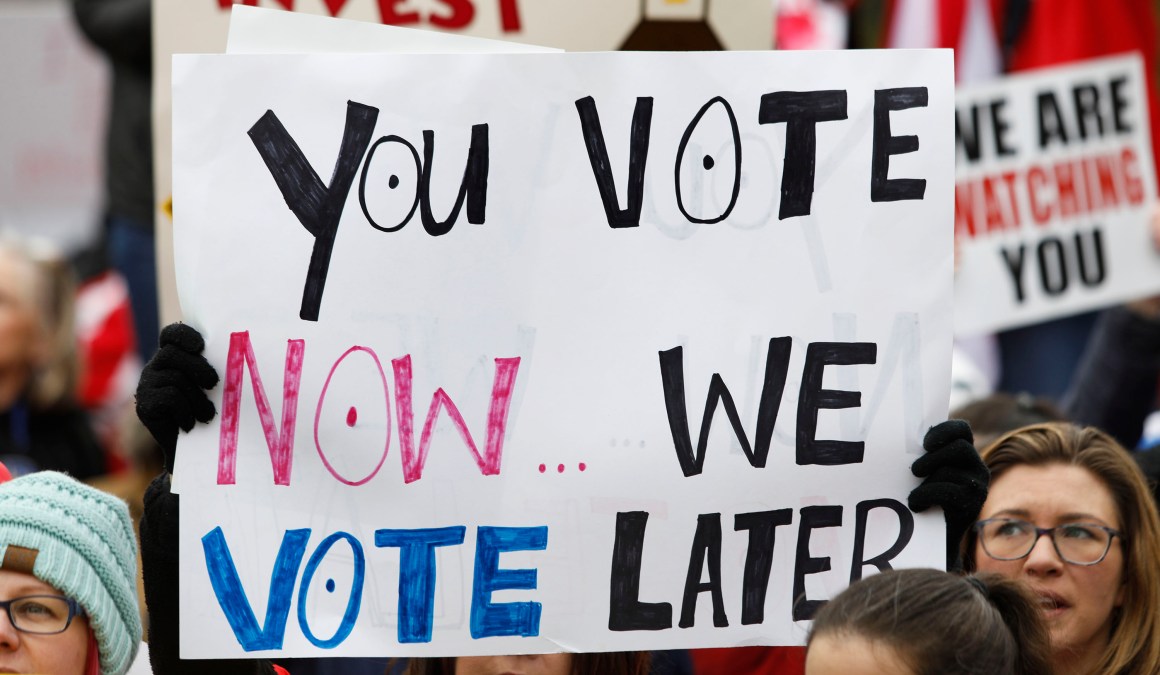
540, 352
200, 26
1055, 185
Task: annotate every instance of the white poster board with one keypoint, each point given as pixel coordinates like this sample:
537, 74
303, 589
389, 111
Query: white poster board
1055, 186
489, 433
200, 26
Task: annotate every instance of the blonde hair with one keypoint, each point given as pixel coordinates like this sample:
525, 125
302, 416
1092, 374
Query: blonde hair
49, 289
1134, 645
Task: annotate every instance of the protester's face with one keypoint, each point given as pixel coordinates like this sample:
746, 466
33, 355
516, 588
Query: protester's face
59, 654
19, 330
532, 664
843, 654
1077, 601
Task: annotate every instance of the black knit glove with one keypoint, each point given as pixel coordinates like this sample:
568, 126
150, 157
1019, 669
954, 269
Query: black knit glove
954, 478
171, 392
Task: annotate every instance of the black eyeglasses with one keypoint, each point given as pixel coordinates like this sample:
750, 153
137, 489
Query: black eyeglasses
1076, 543
42, 614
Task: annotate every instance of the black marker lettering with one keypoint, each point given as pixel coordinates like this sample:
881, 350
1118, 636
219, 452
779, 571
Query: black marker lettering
882, 560
736, 162
362, 183
758, 559
801, 111
812, 518
673, 383
318, 207
626, 611
882, 187
812, 398
637, 157
707, 540
473, 186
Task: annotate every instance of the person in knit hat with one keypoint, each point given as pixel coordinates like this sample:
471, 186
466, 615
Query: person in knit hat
68, 569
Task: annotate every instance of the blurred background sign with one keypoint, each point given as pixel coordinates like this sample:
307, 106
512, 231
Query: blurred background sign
55, 88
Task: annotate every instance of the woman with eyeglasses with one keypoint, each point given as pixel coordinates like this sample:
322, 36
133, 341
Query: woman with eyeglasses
68, 579
1070, 514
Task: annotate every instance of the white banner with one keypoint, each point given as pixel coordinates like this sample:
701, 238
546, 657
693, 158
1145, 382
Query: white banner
1055, 186
556, 351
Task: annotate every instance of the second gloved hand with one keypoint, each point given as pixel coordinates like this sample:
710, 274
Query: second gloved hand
171, 394
954, 478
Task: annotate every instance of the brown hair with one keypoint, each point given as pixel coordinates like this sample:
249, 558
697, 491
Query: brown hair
597, 663
48, 293
995, 415
940, 623
1134, 647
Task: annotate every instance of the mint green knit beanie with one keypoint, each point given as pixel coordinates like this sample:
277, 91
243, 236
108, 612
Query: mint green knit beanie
85, 547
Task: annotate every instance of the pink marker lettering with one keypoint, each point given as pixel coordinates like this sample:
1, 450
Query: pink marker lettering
352, 416
501, 394
279, 442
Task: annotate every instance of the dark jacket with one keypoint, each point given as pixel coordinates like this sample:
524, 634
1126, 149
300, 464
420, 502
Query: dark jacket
159, 556
1115, 383
122, 30
60, 439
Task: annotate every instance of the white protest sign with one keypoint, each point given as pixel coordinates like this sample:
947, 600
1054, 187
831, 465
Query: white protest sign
557, 351
200, 26
1055, 186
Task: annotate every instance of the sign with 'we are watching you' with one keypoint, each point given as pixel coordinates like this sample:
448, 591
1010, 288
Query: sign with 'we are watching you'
1055, 191
538, 352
